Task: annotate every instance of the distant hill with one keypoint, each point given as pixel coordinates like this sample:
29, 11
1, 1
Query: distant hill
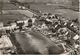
73, 2
63, 2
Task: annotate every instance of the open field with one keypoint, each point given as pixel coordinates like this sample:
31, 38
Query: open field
6, 18
54, 9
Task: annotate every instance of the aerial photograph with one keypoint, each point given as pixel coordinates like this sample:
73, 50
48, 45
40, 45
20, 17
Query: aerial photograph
39, 27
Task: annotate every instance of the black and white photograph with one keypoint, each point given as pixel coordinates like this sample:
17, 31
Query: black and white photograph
39, 27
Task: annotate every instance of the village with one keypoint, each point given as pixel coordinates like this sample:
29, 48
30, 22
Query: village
64, 32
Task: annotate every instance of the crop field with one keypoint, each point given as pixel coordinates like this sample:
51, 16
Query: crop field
44, 8
56, 9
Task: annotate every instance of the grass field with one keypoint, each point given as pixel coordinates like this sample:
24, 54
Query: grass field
6, 18
56, 9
